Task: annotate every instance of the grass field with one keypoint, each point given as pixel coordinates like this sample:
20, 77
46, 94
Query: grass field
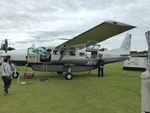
117, 92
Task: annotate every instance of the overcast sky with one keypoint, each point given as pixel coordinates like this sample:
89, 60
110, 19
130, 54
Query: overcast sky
43, 22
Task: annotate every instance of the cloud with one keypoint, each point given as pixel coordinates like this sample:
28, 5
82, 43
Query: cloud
26, 21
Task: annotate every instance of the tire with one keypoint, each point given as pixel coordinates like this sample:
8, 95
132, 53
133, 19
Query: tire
69, 76
59, 72
15, 75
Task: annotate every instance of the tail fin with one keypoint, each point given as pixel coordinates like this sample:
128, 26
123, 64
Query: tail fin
126, 45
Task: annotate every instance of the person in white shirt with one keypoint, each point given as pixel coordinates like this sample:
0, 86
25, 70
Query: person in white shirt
6, 75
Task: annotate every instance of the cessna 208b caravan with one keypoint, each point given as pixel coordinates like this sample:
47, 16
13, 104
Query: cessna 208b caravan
78, 54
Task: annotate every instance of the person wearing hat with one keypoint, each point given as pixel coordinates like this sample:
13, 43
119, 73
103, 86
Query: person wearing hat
6, 74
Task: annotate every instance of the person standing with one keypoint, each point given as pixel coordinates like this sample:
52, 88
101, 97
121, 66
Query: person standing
145, 81
100, 64
145, 91
6, 74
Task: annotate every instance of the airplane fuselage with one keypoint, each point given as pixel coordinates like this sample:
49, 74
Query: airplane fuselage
78, 60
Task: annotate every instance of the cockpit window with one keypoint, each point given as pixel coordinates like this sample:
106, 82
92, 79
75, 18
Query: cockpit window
38, 50
31, 51
55, 52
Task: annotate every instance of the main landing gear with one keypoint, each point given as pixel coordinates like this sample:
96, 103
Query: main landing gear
68, 75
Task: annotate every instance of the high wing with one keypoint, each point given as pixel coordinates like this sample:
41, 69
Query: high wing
97, 34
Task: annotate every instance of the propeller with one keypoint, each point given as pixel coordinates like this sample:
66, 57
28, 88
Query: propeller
5, 46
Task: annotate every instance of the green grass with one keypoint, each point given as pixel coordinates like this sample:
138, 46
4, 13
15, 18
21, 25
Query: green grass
117, 92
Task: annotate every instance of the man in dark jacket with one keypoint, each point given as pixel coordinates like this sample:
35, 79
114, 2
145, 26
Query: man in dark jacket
100, 64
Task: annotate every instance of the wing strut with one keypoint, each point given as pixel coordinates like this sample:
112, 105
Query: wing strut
63, 54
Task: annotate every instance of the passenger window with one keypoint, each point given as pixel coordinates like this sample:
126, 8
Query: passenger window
72, 53
82, 54
100, 55
55, 52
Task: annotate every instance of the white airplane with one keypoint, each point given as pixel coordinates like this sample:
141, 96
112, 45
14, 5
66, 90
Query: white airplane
78, 54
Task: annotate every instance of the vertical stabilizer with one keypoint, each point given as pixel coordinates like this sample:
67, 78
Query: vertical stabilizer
126, 45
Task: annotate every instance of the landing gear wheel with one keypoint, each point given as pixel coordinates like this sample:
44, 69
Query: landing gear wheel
15, 75
68, 76
59, 72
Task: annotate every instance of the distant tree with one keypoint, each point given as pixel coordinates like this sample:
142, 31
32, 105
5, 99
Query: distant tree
143, 51
133, 52
138, 52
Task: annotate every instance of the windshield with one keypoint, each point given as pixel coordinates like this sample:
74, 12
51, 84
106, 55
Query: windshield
38, 50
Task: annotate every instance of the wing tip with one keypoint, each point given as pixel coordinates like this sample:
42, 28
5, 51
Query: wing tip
119, 23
